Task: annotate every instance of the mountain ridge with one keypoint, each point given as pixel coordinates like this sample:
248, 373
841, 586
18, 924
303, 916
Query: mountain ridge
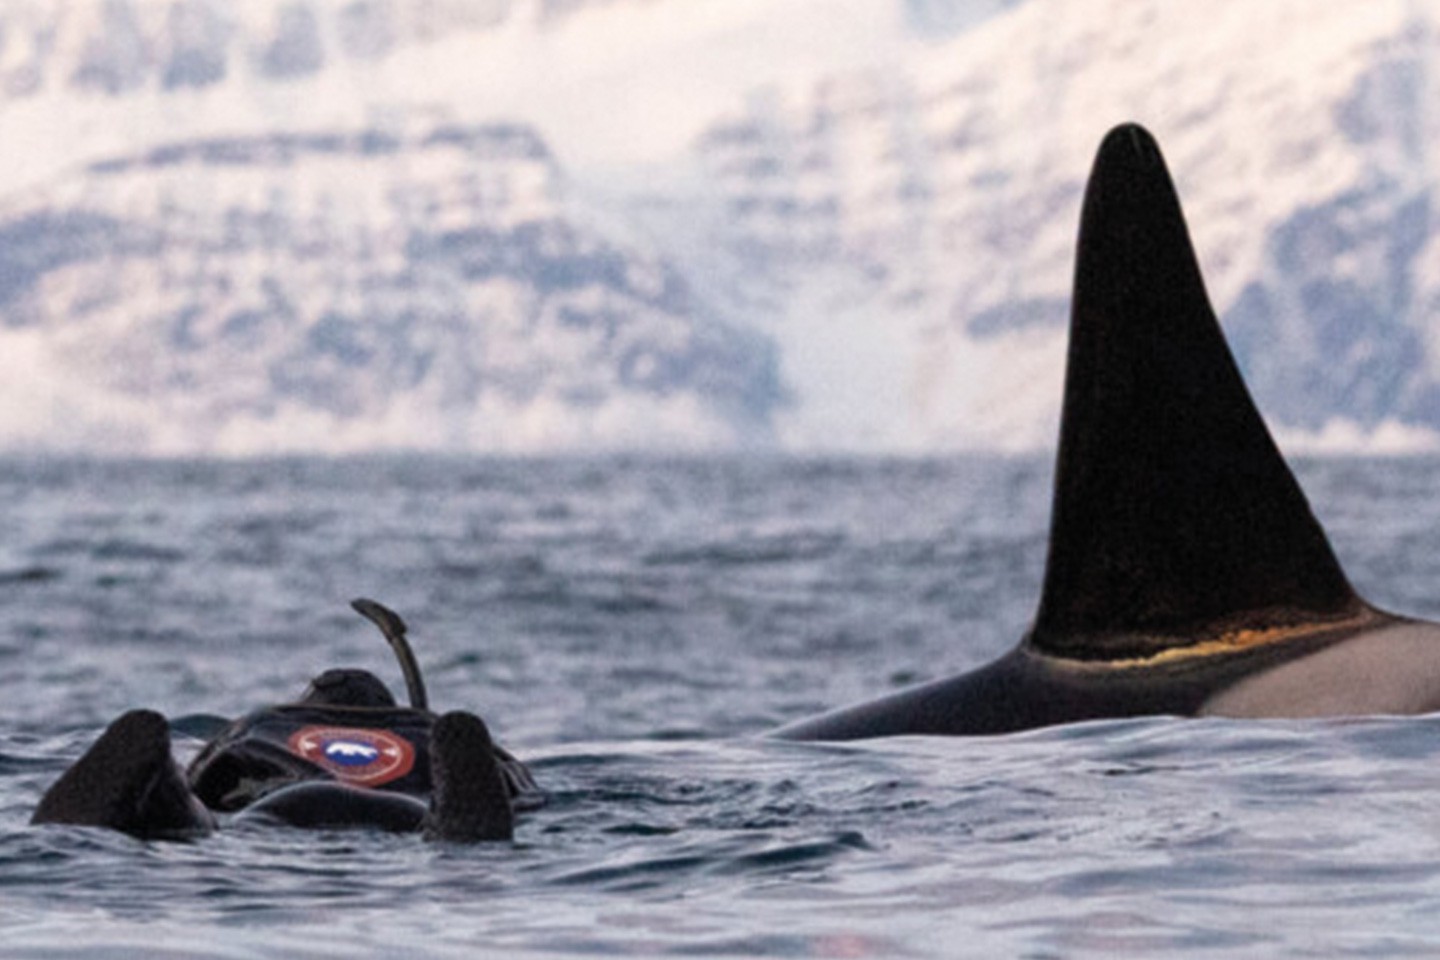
408, 236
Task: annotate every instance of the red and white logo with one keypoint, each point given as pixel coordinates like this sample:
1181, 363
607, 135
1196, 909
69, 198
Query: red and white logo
366, 758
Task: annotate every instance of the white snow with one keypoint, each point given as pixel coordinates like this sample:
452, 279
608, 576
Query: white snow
902, 190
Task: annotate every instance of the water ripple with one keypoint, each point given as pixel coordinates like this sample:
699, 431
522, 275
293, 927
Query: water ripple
629, 625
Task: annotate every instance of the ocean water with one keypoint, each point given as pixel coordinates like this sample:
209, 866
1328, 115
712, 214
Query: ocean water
632, 627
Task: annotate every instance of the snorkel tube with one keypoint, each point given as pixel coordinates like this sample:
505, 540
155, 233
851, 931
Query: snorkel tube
394, 629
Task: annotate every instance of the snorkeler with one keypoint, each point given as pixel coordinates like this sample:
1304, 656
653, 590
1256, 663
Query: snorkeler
344, 755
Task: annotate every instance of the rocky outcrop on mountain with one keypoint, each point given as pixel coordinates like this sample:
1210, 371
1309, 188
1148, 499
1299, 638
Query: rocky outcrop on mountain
114, 47
949, 194
429, 290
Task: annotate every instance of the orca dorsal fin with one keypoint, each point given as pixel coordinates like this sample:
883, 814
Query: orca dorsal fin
1175, 520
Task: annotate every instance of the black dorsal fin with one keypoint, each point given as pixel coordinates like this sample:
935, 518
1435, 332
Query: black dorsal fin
1175, 519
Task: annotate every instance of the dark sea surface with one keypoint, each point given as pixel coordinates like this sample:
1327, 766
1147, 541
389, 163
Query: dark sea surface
631, 627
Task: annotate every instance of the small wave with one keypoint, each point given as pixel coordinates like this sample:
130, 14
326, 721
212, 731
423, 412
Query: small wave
13, 763
780, 549
725, 857
120, 549
31, 574
200, 726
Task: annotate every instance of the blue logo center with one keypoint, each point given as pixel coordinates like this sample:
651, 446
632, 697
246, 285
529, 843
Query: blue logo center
351, 753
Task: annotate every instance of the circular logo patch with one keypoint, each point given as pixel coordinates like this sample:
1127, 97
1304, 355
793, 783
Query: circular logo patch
367, 758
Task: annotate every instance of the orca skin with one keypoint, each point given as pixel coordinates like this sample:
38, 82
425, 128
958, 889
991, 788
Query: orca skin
1186, 572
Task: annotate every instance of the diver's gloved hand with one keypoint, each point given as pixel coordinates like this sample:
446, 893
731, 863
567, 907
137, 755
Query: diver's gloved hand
128, 781
469, 799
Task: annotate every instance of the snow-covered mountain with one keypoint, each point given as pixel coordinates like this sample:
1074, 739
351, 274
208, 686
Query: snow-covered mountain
337, 291
1302, 141
562, 224
117, 47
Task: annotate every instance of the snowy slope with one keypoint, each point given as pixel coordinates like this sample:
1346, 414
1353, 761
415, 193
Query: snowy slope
337, 292
1301, 140
581, 224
